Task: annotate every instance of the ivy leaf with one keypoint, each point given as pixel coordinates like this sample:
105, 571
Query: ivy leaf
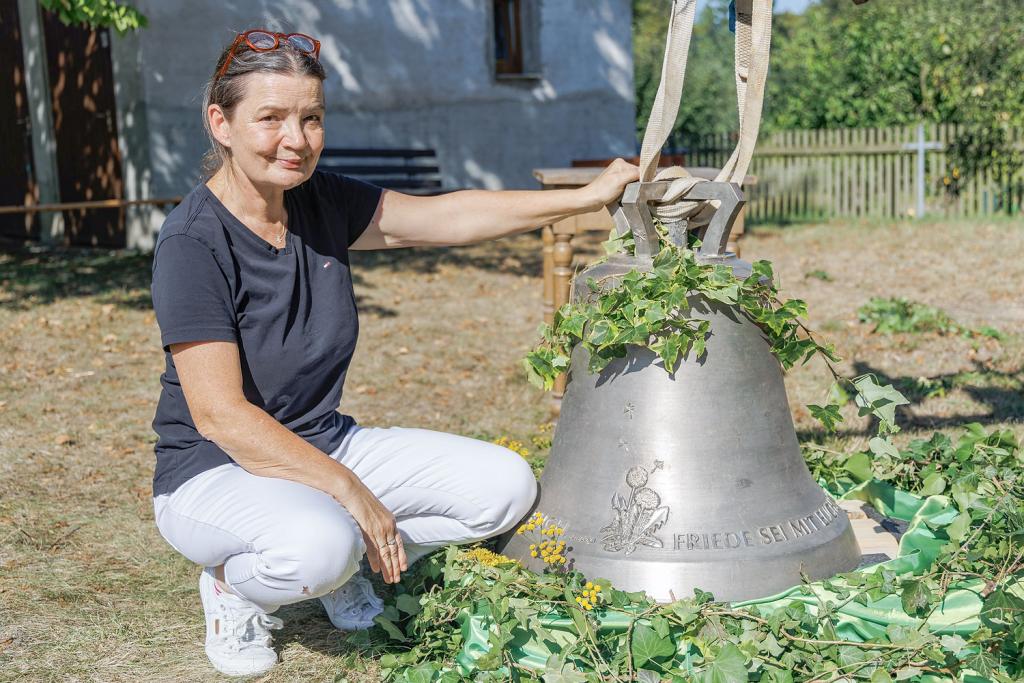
408, 603
1001, 609
669, 352
915, 596
881, 676
648, 645
655, 313
957, 529
602, 332
953, 643
837, 395
648, 676
828, 416
933, 485
880, 401
859, 466
728, 666
389, 627
424, 673
884, 447
982, 661
762, 269
569, 674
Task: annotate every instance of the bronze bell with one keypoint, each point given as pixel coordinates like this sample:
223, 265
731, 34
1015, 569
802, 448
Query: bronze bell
667, 483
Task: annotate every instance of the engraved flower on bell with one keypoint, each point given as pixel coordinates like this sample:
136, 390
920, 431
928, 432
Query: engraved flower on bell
647, 499
637, 518
636, 477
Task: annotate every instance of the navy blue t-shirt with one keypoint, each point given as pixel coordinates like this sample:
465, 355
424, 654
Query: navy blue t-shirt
291, 311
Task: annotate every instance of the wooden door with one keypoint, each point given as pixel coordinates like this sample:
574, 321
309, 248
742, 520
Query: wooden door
17, 185
85, 129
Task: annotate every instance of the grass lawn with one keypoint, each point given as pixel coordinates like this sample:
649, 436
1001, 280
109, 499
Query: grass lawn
89, 590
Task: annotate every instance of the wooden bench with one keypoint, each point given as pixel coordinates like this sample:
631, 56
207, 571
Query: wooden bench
413, 171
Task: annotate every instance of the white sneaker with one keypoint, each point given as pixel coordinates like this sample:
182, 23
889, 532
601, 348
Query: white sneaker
354, 605
238, 640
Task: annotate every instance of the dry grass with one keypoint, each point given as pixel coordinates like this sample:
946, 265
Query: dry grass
88, 589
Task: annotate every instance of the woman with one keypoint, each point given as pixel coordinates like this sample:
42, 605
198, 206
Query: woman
258, 478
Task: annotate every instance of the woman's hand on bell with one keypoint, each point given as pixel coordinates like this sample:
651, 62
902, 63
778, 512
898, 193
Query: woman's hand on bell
384, 547
609, 186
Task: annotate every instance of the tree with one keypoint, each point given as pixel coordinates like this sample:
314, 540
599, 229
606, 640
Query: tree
709, 95
120, 16
894, 63
884, 63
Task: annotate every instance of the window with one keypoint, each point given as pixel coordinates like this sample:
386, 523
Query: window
515, 37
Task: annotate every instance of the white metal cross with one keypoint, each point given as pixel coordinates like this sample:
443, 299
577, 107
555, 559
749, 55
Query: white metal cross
921, 146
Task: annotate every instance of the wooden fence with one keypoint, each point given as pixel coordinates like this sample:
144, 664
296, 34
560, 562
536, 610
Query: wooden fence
861, 172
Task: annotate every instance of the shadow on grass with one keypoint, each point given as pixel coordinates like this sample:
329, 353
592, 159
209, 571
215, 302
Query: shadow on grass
501, 256
1001, 392
34, 276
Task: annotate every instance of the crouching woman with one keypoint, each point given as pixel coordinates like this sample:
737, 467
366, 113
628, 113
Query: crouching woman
259, 479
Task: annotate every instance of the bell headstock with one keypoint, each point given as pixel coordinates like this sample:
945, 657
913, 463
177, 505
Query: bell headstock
632, 214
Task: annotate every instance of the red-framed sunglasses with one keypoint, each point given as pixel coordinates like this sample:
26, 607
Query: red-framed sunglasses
261, 40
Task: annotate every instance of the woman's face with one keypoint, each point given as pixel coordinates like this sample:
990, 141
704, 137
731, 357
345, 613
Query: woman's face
276, 132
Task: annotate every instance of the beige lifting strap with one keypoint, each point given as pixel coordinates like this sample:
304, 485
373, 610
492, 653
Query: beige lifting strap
753, 41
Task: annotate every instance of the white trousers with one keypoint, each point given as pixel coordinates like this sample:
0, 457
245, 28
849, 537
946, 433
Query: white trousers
282, 542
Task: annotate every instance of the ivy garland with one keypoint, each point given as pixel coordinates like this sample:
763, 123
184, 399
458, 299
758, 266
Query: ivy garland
653, 309
420, 635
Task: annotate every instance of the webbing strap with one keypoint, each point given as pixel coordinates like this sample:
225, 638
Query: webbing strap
670, 89
753, 41
753, 45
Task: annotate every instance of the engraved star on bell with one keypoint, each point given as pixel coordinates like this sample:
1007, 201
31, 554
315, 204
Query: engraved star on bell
670, 482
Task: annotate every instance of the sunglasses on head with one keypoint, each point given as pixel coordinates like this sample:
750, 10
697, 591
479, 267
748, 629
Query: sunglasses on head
261, 40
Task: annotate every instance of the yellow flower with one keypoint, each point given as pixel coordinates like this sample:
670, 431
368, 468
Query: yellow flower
588, 585
597, 588
487, 557
586, 605
513, 445
533, 553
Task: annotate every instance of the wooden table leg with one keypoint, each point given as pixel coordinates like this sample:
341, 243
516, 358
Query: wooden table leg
562, 253
548, 238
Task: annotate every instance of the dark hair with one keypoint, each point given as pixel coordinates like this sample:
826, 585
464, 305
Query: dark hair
229, 89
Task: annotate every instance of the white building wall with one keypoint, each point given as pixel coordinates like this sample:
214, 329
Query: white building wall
401, 73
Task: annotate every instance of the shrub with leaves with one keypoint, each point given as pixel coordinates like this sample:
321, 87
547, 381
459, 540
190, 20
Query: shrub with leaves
896, 314
121, 16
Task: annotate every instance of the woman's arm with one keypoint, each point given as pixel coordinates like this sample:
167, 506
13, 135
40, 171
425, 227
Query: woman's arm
470, 216
211, 378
